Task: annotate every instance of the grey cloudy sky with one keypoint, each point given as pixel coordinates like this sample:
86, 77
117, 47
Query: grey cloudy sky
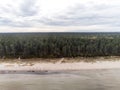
59, 15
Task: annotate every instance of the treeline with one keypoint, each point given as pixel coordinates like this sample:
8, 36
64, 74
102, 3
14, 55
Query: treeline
57, 45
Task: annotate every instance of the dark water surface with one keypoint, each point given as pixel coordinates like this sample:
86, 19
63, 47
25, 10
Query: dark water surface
70, 80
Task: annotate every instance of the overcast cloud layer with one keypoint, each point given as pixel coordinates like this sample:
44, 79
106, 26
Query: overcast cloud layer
59, 15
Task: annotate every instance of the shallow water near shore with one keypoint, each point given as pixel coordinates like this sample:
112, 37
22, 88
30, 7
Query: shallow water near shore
104, 79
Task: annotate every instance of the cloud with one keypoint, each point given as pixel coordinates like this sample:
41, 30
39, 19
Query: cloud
19, 14
28, 8
3, 21
85, 15
77, 15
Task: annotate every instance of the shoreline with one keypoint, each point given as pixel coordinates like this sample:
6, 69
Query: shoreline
37, 67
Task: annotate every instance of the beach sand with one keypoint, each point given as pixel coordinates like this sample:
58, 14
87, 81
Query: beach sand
36, 66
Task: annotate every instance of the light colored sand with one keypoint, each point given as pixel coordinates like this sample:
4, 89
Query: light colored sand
60, 66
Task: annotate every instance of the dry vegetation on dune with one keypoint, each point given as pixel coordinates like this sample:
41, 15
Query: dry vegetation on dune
61, 60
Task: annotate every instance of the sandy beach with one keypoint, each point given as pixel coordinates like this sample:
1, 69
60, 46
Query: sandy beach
58, 66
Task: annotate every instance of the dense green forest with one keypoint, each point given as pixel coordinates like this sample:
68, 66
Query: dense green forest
57, 45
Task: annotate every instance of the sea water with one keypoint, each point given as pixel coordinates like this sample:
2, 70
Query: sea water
105, 79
